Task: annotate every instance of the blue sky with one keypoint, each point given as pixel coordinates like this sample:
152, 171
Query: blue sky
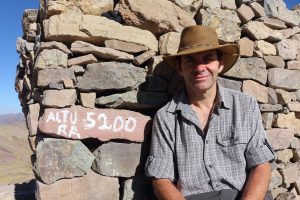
11, 28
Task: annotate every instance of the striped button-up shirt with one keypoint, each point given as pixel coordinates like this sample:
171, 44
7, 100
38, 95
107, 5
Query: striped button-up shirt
220, 159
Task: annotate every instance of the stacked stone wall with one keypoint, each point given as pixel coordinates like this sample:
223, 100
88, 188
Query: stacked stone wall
91, 77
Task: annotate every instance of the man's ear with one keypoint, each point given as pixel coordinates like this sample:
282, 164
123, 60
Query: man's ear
221, 65
178, 67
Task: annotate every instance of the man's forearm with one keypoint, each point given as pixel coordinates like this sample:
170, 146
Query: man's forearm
166, 190
257, 183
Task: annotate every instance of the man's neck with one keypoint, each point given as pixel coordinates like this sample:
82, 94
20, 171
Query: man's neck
203, 99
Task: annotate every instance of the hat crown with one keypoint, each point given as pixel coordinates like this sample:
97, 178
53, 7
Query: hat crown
198, 36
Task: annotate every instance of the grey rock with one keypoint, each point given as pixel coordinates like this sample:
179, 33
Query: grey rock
287, 49
100, 52
120, 159
57, 86
32, 118
89, 186
111, 75
297, 93
163, 17
60, 158
271, 7
274, 61
59, 98
156, 66
231, 84
128, 47
270, 107
284, 78
53, 45
274, 23
140, 59
191, 6
211, 4
83, 60
267, 118
47, 76
245, 13
51, 59
138, 187
288, 16
77, 69
286, 196
88, 99
249, 68
169, 43
276, 180
289, 175
287, 33
228, 4
30, 16
272, 96
258, 10
226, 23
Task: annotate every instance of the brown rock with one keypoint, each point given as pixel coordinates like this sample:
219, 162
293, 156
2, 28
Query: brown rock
265, 48
274, 61
169, 43
88, 99
32, 118
289, 175
191, 6
287, 121
287, 49
211, 4
128, 47
51, 58
163, 17
90, 186
293, 65
285, 97
253, 88
68, 83
276, 180
280, 138
245, 13
258, 10
246, 47
231, 84
47, 76
104, 124
286, 196
294, 106
71, 27
53, 45
284, 155
287, 33
59, 98
275, 192
139, 60
284, 78
267, 118
274, 23
100, 52
228, 4
82, 60
272, 96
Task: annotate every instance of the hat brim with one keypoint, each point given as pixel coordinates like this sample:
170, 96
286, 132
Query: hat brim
231, 53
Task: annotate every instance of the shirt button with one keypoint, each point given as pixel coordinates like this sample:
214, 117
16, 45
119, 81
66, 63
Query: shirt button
210, 165
206, 141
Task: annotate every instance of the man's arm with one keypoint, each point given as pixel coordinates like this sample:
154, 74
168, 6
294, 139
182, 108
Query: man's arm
257, 183
164, 189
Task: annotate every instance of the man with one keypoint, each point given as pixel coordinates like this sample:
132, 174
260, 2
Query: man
208, 142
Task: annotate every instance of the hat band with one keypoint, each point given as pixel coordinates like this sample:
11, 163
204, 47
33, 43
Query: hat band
197, 45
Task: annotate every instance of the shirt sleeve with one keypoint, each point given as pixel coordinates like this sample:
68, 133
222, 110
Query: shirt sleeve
160, 163
259, 149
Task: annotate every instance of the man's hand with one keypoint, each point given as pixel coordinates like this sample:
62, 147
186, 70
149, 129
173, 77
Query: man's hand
164, 189
257, 183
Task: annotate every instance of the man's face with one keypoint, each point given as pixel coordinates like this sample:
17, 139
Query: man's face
200, 70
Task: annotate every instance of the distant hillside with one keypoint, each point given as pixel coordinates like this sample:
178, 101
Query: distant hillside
12, 118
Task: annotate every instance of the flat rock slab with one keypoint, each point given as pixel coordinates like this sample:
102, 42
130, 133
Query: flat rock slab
61, 158
94, 29
284, 79
59, 98
51, 58
280, 138
47, 76
128, 47
120, 159
105, 124
111, 75
90, 186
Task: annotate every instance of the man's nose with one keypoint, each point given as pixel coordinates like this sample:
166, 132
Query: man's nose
201, 67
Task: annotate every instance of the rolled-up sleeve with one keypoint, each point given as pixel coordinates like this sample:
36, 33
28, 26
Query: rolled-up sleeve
259, 149
160, 163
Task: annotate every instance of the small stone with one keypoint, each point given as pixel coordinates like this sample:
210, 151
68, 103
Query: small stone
253, 88
228, 4
169, 43
51, 59
120, 159
276, 180
82, 60
88, 99
284, 155
258, 10
77, 69
32, 118
246, 47
78, 122
53, 45
267, 118
280, 138
60, 158
294, 106
128, 47
274, 23
293, 65
274, 61
231, 84
211, 4
287, 49
56, 86
68, 83
284, 78
89, 186
270, 107
139, 60
265, 47
100, 52
245, 13
59, 98
285, 97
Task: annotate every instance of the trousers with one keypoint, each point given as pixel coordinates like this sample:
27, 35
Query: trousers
221, 195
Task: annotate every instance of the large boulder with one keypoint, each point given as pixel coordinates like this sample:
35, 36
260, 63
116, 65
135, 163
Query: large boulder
164, 16
68, 28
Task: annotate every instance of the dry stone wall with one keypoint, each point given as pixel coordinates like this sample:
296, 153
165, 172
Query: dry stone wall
91, 77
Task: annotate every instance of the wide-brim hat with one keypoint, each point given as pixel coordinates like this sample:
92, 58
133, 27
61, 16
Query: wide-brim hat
196, 39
